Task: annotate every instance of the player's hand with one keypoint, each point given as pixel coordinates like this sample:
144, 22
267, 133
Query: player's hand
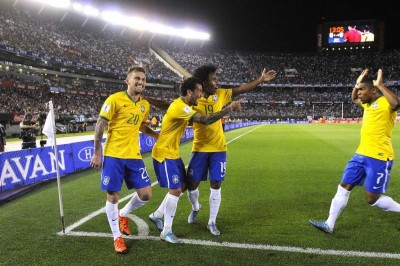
95, 162
378, 80
235, 105
268, 75
362, 75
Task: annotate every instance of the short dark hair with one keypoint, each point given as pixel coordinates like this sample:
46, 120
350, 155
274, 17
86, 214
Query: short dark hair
189, 84
204, 71
135, 68
28, 115
369, 81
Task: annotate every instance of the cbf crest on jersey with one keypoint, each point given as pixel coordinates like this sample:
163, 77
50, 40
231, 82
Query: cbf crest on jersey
374, 105
142, 108
215, 98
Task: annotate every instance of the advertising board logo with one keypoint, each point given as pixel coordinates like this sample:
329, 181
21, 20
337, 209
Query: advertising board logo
86, 154
149, 141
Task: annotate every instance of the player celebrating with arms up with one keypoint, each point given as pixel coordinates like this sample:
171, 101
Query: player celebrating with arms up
209, 144
371, 164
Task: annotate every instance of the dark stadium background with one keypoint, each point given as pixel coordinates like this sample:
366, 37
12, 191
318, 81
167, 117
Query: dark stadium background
274, 26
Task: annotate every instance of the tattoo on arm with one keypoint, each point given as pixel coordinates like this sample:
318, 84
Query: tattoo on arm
98, 136
210, 119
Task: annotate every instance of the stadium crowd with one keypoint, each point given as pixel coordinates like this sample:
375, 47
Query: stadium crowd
307, 85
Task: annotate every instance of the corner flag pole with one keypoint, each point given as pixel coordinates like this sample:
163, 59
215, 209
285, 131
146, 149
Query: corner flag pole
49, 131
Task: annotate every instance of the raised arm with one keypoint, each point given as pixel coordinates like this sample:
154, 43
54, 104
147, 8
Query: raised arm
392, 98
354, 96
157, 103
212, 118
98, 136
265, 76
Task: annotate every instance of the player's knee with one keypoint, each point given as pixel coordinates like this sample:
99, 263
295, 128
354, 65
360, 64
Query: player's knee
372, 198
146, 196
215, 185
192, 185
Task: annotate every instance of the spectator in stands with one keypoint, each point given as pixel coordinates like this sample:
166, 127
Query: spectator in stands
125, 114
29, 129
2, 138
372, 163
154, 122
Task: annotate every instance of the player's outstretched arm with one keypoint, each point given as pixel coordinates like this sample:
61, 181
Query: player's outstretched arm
210, 119
393, 99
265, 76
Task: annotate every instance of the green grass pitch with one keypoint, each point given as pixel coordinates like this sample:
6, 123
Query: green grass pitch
278, 177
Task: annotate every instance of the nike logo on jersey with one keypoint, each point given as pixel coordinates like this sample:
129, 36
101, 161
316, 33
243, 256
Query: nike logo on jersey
114, 219
126, 105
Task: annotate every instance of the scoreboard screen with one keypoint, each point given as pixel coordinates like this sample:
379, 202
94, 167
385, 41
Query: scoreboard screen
351, 34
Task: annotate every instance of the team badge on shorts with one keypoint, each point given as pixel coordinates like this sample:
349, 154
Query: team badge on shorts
191, 172
175, 179
106, 180
215, 98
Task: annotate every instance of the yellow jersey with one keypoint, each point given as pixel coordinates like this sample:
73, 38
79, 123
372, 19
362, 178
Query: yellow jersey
173, 126
376, 131
211, 138
124, 118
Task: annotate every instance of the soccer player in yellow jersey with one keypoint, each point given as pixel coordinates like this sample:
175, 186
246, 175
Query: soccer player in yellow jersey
125, 114
168, 165
372, 162
209, 144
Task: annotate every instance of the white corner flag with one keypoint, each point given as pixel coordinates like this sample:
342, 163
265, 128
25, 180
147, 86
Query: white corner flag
49, 131
48, 127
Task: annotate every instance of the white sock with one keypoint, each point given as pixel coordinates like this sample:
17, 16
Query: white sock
387, 204
112, 216
132, 205
337, 205
215, 202
193, 196
159, 213
171, 204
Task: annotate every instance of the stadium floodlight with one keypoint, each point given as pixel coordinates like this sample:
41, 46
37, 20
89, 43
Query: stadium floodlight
55, 3
77, 7
184, 33
114, 17
191, 34
91, 11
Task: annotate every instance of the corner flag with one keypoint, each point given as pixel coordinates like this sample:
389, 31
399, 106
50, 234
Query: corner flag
49, 131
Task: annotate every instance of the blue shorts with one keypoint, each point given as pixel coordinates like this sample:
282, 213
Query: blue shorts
115, 170
202, 163
374, 173
170, 172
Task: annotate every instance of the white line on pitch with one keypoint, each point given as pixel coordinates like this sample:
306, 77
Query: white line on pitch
317, 251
